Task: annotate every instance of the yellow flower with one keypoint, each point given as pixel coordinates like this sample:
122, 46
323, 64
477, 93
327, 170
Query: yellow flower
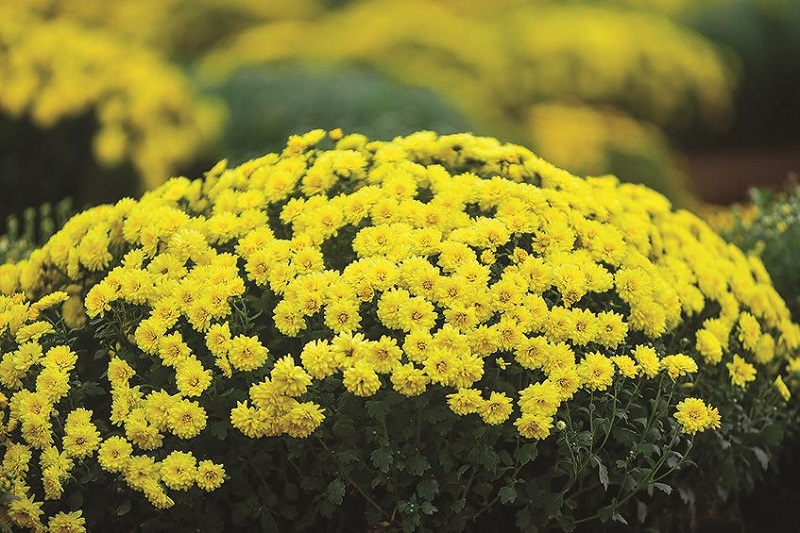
741, 371
33, 331
708, 345
319, 359
149, 333
647, 359
409, 380
187, 419
249, 420
210, 476
749, 331
383, 355
61, 358
24, 511
114, 453
610, 330
72, 522
570, 281
540, 398
566, 380
416, 313
141, 432
783, 390
288, 378
558, 356
80, 441
626, 366
440, 366
53, 383
289, 319
99, 299
191, 377
695, 416
584, 324
765, 349
155, 493
247, 353
361, 379
218, 337
596, 372
465, 401
178, 470
678, 365
119, 371
139, 469
534, 426
16, 460
172, 349
302, 419
496, 409
37, 430
632, 284
50, 300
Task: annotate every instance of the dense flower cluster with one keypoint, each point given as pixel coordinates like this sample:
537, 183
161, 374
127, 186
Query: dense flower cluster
424, 263
578, 51
601, 78
175, 26
588, 140
148, 112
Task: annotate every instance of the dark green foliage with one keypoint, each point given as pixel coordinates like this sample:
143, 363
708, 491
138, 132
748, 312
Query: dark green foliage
270, 103
20, 235
47, 165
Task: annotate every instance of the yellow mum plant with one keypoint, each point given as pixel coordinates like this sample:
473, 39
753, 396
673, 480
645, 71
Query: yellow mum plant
437, 331
147, 112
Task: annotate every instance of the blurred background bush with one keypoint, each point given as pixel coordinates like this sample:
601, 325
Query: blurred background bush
695, 99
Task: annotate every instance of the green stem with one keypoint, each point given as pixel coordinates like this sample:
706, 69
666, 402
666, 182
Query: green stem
355, 485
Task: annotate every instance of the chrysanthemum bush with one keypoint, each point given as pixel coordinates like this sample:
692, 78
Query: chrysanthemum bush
432, 332
769, 227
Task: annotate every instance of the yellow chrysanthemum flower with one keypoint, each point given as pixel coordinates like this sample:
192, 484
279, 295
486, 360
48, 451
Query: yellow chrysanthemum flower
741, 372
695, 416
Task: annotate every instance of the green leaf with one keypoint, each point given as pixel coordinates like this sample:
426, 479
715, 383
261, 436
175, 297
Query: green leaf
526, 453
488, 458
523, 519
458, 505
553, 502
602, 471
663, 487
641, 511
507, 494
605, 513
762, 457
427, 489
343, 428
124, 508
417, 465
334, 492
505, 458
427, 508
219, 429
377, 409
382, 459
619, 518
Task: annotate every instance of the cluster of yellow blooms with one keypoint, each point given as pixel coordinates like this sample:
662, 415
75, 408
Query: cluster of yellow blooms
492, 65
498, 62
147, 111
586, 140
425, 262
168, 24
